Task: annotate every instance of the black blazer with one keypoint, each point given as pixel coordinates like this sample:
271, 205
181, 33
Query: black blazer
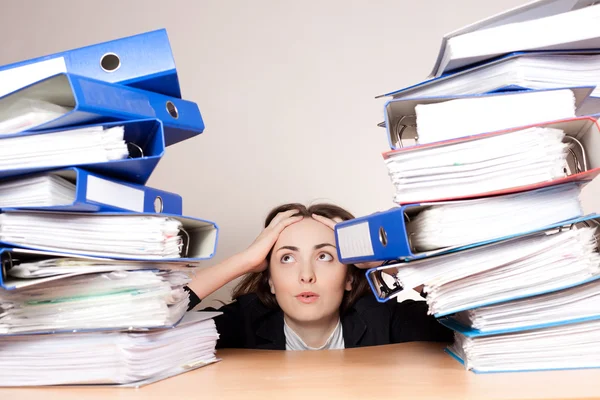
247, 323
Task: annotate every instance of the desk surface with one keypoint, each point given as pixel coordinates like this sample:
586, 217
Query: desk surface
409, 370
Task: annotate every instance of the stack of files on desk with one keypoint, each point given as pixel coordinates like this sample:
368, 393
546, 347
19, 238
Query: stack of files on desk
94, 263
488, 159
125, 358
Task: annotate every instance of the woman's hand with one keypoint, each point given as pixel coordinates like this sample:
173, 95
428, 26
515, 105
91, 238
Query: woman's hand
255, 255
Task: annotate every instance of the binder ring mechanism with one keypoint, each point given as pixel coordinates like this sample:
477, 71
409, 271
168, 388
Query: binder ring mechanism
579, 166
137, 148
110, 62
184, 246
7, 264
406, 124
378, 280
386, 285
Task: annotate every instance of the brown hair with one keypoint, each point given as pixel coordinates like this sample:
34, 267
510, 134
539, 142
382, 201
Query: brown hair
258, 282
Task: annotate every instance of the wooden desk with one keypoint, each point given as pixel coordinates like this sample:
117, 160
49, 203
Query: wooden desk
409, 371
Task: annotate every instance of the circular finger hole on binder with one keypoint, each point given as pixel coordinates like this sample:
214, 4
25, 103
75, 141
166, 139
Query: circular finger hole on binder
110, 62
158, 204
383, 236
172, 110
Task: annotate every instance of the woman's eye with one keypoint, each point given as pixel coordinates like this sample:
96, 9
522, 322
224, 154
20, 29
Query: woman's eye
325, 257
288, 258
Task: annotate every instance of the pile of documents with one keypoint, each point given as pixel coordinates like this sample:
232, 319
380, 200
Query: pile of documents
489, 159
94, 263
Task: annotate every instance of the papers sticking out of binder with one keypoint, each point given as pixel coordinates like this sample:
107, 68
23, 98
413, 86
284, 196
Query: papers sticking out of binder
419, 121
520, 70
428, 229
576, 304
161, 237
114, 300
539, 25
512, 269
74, 189
109, 358
23, 268
497, 163
558, 347
86, 145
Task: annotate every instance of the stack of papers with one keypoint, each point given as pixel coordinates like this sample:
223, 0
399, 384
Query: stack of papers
138, 235
465, 222
30, 270
524, 157
121, 358
474, 115
86, 145
112, 300
27, 113
37, 191
573, 304
579, 29
559, 347
503, 271
532, 71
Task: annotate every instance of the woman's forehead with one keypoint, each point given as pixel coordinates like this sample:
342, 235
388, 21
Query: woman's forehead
306, 234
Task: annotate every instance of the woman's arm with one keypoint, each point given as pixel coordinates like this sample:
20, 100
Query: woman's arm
210, 279
253, 259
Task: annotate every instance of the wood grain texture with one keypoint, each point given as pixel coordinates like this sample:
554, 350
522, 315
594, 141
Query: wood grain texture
409, 370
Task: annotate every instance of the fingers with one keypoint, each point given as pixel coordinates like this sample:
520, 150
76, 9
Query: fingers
281, 225
281, 216
327, 221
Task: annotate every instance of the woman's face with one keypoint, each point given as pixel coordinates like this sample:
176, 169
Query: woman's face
305, 274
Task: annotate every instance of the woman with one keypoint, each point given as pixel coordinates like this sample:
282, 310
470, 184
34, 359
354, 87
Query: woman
297, 295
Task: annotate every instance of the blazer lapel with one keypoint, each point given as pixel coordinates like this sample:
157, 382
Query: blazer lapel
271, 330
354, 327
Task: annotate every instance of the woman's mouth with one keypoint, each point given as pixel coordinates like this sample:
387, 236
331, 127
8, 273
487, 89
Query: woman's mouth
307, 297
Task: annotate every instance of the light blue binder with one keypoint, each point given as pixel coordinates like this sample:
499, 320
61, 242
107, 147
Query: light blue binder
147, 146
456, 326
95, 192
144, 61
87, 100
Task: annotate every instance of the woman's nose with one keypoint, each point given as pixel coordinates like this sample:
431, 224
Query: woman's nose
307, 275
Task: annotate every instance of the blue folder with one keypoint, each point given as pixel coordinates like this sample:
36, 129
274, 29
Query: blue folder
200, 235
144, 61
383, 235
458, 358
383, 289
95, 192
87, 100
146, 137
400, 113
412, 90
456, 326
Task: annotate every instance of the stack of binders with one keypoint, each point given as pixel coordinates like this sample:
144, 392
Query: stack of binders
95, 264
488, 181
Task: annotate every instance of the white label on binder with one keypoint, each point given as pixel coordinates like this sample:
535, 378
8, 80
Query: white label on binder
16, 78
355, 240
114, 194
